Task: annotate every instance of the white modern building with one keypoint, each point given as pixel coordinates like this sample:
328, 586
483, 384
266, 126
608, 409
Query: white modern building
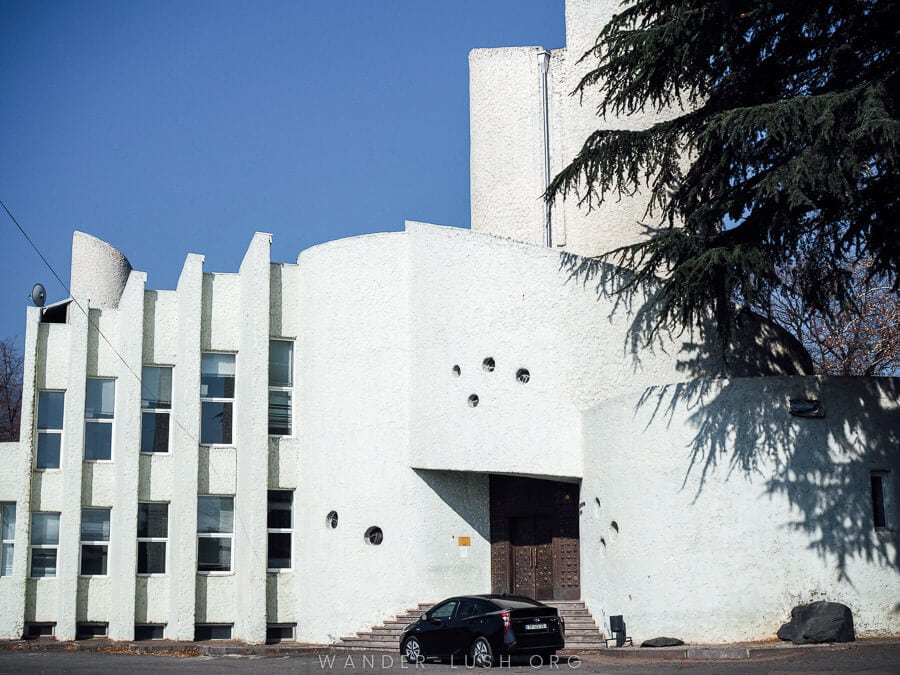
299, 451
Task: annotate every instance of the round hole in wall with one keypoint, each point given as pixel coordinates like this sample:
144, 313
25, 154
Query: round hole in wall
473, 401
522, 375
614, 525
457, 371
488, 364
331, 520
374, 535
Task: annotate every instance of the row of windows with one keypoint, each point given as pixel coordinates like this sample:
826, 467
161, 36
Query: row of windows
215, 533
275, 632
217, 376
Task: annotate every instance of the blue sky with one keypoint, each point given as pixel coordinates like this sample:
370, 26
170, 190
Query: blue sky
168, 128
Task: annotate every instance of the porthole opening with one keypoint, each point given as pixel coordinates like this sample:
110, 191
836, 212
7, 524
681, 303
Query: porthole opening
457, 371
473, 401
522, 375
331, 520
488, 364
374, 536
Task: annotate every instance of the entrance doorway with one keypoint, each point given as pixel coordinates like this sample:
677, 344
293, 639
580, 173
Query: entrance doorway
534, 538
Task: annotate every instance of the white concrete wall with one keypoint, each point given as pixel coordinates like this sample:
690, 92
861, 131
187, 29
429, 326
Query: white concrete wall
730, 511
354, 371
507, 141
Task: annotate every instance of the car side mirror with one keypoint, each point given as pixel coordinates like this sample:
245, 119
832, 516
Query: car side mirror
424, 617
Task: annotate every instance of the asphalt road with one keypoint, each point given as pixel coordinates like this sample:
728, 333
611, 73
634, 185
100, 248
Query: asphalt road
868, 659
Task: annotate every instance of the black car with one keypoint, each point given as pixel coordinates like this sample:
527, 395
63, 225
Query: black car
479, 629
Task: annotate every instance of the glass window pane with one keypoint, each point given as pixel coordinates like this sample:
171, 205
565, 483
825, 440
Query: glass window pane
151, 557
8, 516
94, 524
45, 529
93, 559
215, 422
100, 398
153, 520
97, 440
281, 363
214, 554
280, 508
156, 387
217, 375
279, 550
6, 559
48, 449
154, 432
50, 409
280, 413
43, 562
215, 514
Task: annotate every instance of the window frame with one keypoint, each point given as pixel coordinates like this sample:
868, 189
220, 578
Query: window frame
100, 543
157, 410
7, 543
153, 540
54, 547
49, 431
882, 501
280, 530
216, 535
219, 399
282, 389
99, 420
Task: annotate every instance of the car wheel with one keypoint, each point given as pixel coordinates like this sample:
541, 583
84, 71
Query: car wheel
482, 654
412, 650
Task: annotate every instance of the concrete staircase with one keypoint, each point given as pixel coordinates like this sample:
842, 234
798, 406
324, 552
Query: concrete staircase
582, 633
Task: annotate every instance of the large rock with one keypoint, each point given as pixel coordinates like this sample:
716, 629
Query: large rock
819, 622
662, 642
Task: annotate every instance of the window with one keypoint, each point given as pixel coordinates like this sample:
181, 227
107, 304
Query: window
444, 611
879, 483
149, 631
280, 632
44, 542
94, 542
212, 631
49, 428
39, 629
8, 537
90, 629
281, 381
156, 402
216, 398
215, 525
99, 404
152, 537
280, 524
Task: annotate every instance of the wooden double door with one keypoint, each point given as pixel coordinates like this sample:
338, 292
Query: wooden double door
534, 538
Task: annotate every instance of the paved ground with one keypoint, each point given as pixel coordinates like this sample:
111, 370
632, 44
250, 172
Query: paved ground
100, 658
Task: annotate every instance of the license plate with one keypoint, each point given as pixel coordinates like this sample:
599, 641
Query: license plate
535, 626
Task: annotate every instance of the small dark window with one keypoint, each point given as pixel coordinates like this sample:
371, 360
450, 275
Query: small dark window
149, 631
374, 536
488, 364
331, 520
473, 401
878, 513
279, 632
456, 370
86, 631
212, 631
38, 630
522, 375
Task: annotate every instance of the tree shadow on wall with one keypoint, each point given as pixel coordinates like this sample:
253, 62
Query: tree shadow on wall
822, 466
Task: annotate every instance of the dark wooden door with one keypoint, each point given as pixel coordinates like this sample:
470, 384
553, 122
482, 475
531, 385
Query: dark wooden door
531, 547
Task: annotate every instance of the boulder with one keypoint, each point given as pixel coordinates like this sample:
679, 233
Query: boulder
819, 622
662, 642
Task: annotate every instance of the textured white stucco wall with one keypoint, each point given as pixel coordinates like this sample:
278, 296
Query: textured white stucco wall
728, 511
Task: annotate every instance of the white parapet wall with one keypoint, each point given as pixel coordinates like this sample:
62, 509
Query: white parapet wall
710, 510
